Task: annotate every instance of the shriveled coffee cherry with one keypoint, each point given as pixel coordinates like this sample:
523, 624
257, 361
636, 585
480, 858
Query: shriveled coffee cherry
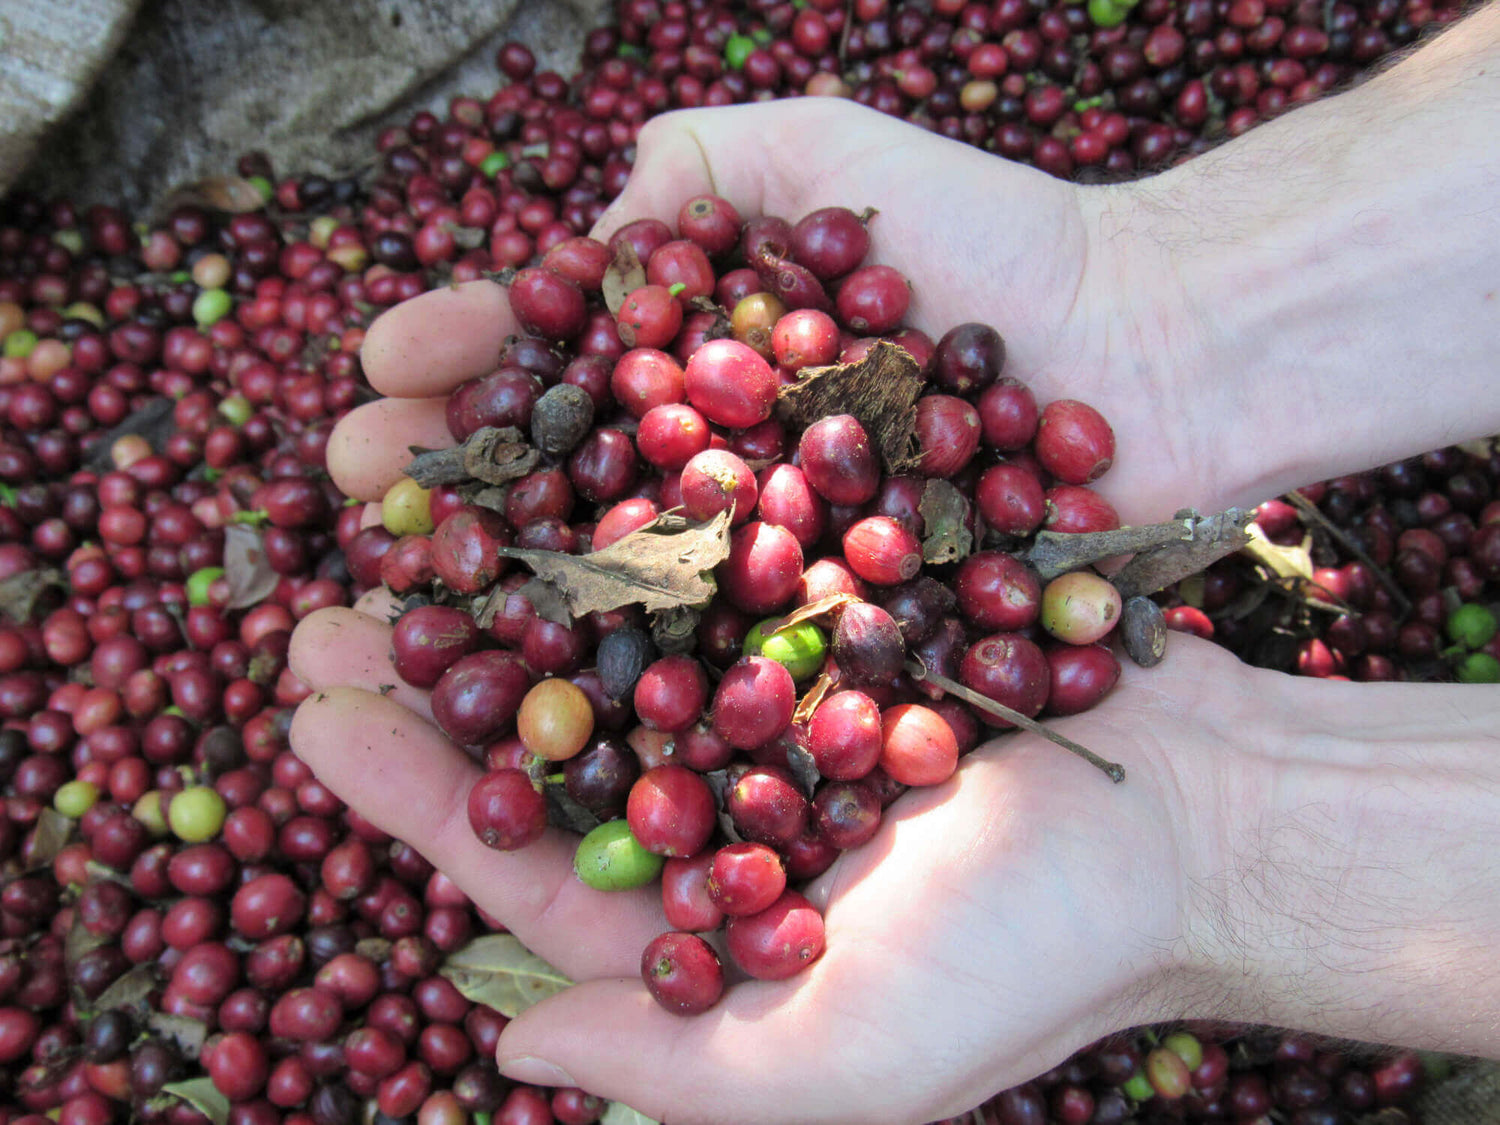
882, 551
918, 746
561, 419
428, 640
868, 646
753, 702
671, 811
780, 941
1080, 608
682, 973
506, 811
745, 878
729, 383
839, 460
1074, 442
1009, 669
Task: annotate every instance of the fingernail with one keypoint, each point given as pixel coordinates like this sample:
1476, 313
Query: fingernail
537, 1072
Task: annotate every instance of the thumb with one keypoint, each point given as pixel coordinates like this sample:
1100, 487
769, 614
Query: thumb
746, 1060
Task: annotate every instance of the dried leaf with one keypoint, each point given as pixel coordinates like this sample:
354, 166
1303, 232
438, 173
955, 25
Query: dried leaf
623, 276
188, 1033
819, 608
202, 1095
718, 781
154, 421
498, 971
1285, 562
657, 567
548, 602
880, 390
800, 761
47, 839
809, 702
80, 941
249, 575
564, 812
20, 593
945, 513
619, 1113
1210, 538
129, 990
230, 194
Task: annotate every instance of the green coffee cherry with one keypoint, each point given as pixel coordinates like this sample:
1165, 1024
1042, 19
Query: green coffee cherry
196, 814
1478, 668
800, 649
1186, 1047
1138, 1087
19, 344
211, 306
736, 50
236, 410
610, 859
1107, 13
1471, 626
493, 164
406, 509
199, 583
74, 798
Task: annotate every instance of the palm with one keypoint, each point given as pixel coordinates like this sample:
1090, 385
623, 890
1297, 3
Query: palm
1012, 906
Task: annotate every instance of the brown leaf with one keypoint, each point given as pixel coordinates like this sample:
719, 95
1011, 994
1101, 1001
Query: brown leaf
246, 569
564, 812
498, 971
809, 702
944, 512
230, 194
188, 1033
803, 766
880, 390
129, 990
824, 605
373, 949
623, 276
549, 604
202, 1095
47, 839
80, 941
154, 421
667, 564
20, 593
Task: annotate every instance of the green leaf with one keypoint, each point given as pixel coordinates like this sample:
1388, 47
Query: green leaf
498, 971
619, 1113
202, 1095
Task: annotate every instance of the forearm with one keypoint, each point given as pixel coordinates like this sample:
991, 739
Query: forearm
1357, 892
1339, 271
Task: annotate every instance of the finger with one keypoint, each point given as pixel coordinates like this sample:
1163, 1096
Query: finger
430, 344
765, 159
339, 646
379, 603
407, 779
371, 445
371, 516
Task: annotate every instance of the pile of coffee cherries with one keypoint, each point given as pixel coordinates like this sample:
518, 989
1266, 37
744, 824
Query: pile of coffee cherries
699, 763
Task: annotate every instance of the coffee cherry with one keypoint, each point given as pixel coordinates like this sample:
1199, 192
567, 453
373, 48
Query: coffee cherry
506, 811
778, 942
555, 720
609, 858
682, 973
1080, 608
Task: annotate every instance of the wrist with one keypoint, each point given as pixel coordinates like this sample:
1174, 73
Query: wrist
1350, 889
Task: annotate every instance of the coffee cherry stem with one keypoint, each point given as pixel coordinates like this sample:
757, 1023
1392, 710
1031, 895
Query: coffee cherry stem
491, 455
1112, 770
1165, 552
1310, 511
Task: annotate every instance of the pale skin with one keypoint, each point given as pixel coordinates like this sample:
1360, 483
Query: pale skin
1312, 854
